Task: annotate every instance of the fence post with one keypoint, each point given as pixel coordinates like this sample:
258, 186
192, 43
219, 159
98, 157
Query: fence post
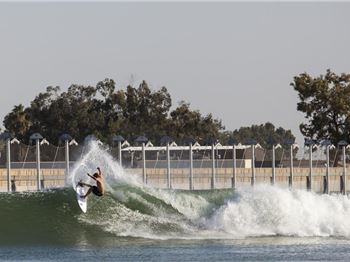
119, 139
343, 183
67, 159
291, 174
168, 166
309, 186
273, 178
234, 176
309, 143
38, 180
144, 164
191, 167
6, 137
253, 165
8, 163
143, 140
344, 170
66, 138
213, 167
36, 137
327, 170
120, 152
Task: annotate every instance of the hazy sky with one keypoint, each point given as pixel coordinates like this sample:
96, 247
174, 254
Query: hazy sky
235, 60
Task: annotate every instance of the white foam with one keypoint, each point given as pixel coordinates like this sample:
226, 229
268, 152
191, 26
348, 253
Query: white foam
267, 210
193, 207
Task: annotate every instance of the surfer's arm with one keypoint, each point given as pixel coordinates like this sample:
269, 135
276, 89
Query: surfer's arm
99, 171
91, 176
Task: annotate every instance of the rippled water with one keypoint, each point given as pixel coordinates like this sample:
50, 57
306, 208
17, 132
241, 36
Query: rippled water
256, 249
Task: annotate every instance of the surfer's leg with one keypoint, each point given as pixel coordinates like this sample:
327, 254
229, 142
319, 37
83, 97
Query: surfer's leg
88, 192
83, 184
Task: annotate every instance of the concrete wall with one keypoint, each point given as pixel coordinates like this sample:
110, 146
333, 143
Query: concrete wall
202, 178
26, 179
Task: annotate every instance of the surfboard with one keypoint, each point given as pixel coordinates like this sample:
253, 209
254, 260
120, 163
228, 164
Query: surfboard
81, 201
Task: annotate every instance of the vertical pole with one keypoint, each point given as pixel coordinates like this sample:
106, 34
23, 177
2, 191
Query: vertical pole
327, 169
234, 176
344, 170
217, 157
168, 165
273, 178
144, 164
120, 152
38, 181
67, 160
291, 174
309, 184
8, 165
132, 159
213, 167
191, 167
253, 165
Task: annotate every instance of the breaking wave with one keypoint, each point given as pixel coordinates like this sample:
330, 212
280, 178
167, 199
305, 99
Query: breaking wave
130, 209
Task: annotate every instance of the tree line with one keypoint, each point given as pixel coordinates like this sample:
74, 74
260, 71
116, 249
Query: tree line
104, 110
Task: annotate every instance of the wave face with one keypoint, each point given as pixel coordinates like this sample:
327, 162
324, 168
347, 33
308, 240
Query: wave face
131, 210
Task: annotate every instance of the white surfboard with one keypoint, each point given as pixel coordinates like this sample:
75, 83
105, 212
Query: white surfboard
81, 201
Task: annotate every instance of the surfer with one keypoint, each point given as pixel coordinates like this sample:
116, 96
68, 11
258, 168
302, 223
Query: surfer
99, 189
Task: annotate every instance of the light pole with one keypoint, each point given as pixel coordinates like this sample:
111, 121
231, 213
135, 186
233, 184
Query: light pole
292, 145
142, 140
119, 139
164, 141
190, 142
213, 142
328, 145
273, 177
68, 141
310, 144
233, 143
252, 143
6, 136
343, 185
37, 137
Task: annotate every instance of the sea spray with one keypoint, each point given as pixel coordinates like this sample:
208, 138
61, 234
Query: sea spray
267, 210
97, 156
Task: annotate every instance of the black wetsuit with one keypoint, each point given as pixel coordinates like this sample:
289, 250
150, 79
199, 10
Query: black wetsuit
96, 191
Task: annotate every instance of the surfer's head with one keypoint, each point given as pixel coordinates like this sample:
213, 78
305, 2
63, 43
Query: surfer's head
95, 175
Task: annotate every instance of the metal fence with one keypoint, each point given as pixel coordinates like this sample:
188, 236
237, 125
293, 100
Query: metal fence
40, 154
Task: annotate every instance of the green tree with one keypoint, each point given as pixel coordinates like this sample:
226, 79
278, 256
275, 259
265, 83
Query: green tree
265, 134
325, 100
18, 121
102, 110
146, 111
190, 123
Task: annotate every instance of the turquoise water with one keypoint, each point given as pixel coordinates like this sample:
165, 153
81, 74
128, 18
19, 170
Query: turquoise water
133, 222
